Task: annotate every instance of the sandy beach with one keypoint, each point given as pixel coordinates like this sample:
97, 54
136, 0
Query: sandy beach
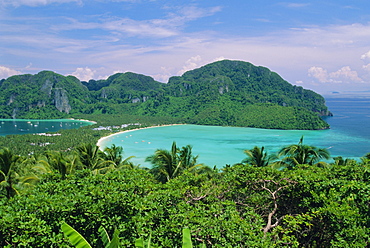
100, 141
82, 120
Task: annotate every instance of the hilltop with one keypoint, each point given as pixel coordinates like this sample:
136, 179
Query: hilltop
232, 93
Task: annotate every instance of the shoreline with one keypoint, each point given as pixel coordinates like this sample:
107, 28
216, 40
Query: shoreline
70, 119
130, 130
94, 122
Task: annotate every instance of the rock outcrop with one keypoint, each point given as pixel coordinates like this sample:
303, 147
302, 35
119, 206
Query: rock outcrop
61, 100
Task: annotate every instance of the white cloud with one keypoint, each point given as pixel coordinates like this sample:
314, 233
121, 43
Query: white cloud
33, 3
343, 75
288, 52
366, 67
218, 59
189, 13
354, 35
366, 55
157, 28
319, 73
144, 28
163, 76
190, 64
6, 72
107, 76
84, 74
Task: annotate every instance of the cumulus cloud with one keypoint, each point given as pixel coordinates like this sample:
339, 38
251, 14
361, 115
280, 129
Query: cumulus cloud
6, 72
343, 75
190, 64
84, 74
346, 75
319, 73
366, 55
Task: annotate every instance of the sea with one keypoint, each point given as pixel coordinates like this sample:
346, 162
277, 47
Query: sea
21, 126
348, 136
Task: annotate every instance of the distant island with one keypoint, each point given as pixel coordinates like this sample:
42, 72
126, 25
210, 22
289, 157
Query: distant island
223, 93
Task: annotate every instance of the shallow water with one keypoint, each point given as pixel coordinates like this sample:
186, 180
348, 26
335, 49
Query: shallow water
225, 145
20, 126
349, 137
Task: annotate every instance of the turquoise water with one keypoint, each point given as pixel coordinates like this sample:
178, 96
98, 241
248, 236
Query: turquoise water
20, 126
349, 137
225, 145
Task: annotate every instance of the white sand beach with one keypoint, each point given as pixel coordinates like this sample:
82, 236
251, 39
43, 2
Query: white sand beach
101, 140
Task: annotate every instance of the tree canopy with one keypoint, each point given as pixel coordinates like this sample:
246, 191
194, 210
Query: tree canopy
244, 205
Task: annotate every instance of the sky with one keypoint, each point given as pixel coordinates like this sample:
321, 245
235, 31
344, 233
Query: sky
320, 45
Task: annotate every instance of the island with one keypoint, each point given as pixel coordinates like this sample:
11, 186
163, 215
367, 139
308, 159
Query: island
223, 93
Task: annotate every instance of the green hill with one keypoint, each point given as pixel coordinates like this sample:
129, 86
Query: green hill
233, 93
44, 95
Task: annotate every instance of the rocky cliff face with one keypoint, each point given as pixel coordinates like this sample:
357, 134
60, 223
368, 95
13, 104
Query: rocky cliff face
61, 100
47, 87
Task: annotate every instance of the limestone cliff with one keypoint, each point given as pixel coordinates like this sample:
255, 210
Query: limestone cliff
61, 100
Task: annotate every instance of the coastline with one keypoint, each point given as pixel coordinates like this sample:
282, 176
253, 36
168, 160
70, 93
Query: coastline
94, 122
70, 119
100, 141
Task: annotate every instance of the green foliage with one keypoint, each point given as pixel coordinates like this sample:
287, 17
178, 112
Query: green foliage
141, 243
8, 172
257, 157
170, 164
302, 154
232, 93
307, 205
186, 238
80, 242
75, 237
71, 138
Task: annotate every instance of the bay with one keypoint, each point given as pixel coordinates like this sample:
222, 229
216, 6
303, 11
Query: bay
21, 126
349, 137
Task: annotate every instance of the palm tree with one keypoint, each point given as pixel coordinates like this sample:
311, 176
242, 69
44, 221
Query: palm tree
170, 164
366, 159
91, 157
8, 172
302, 154
63, 164
367, 156
30, 169
344, 162
114, 154
257, 157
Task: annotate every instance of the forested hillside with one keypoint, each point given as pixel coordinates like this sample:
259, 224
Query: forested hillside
233, 93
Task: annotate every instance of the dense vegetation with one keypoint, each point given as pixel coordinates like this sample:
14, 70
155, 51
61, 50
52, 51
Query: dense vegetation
232, 93
30, 143
289, 199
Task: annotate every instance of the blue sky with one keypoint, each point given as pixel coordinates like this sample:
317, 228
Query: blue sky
320, 45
